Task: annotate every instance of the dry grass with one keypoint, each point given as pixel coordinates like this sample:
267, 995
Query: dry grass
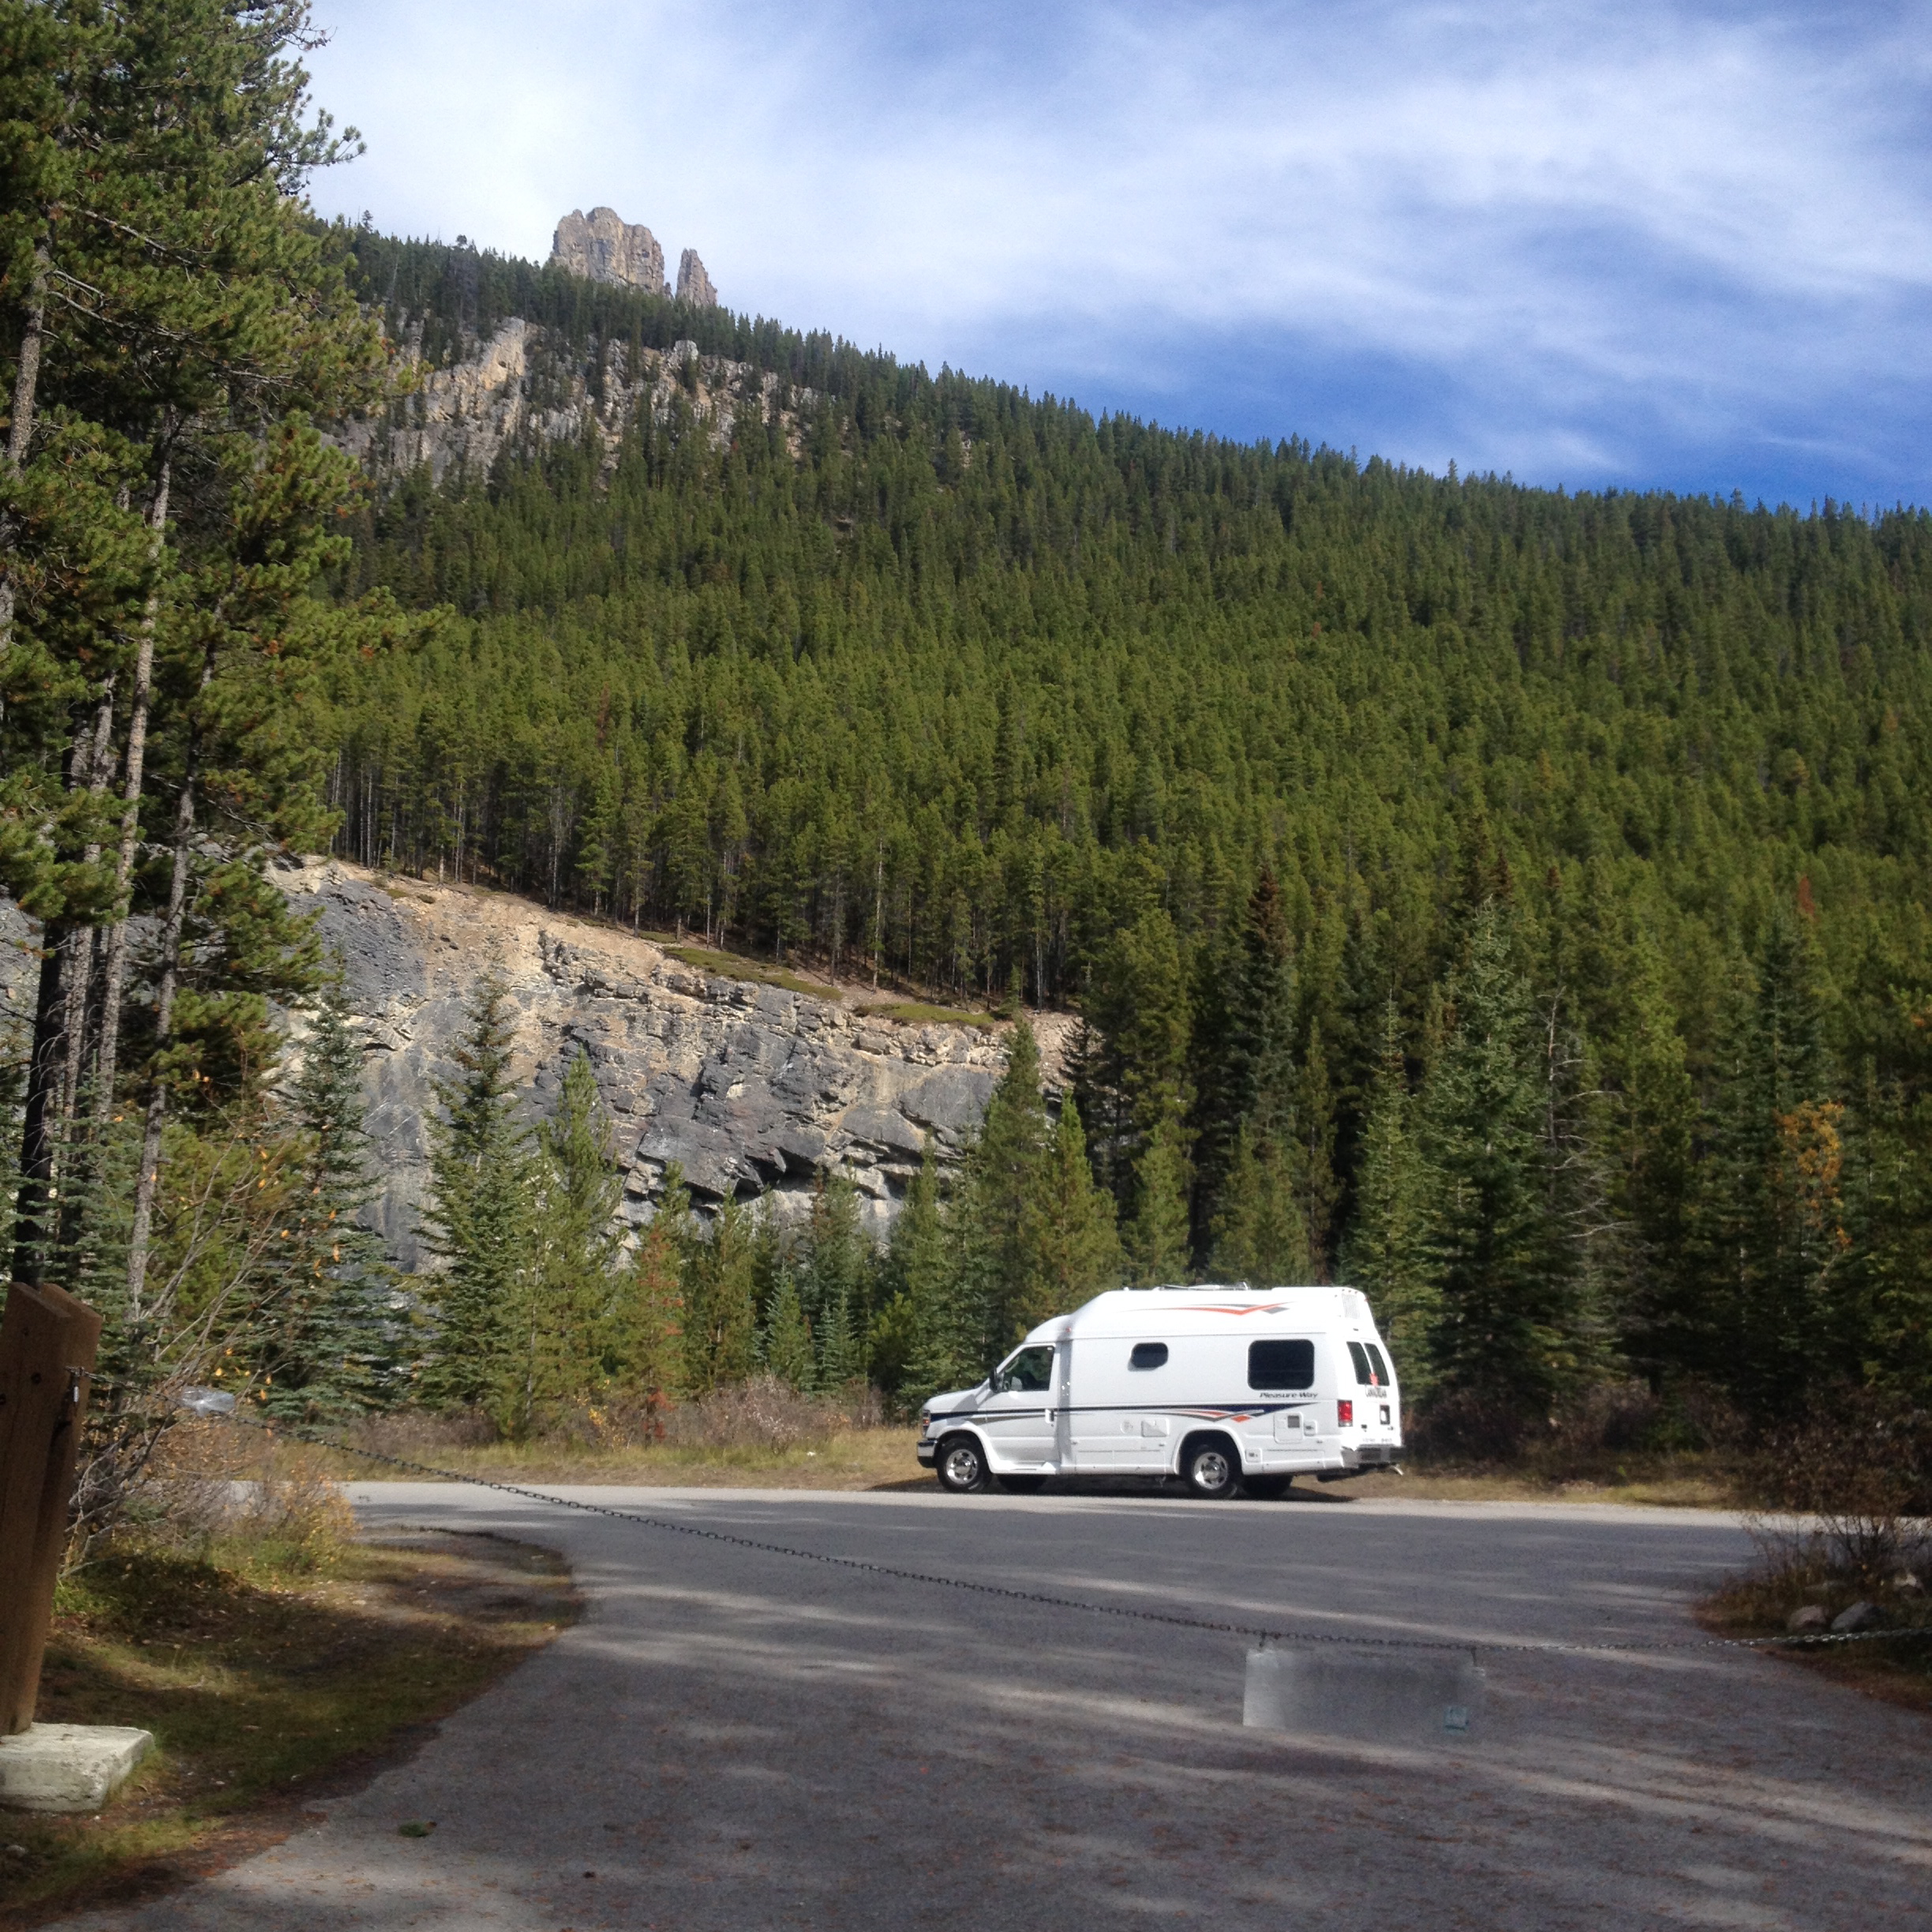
1796, 1568
762, 1437
841, 1458
922, 1012
733, 966
266, 1689
1662, 1482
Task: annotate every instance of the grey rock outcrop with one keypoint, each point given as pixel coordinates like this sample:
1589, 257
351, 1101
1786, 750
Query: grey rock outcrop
523, 379
748, 1087
602, 246
694, 286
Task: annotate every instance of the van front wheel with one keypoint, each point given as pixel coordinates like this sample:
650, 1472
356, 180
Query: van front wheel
1209, 1468
961, 1465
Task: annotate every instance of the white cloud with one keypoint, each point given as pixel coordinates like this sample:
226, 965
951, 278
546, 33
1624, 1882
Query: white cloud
1694, 207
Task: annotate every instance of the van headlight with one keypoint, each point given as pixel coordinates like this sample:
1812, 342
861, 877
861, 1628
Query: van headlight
925, 1422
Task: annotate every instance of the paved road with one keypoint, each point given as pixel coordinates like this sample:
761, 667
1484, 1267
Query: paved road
734, 1740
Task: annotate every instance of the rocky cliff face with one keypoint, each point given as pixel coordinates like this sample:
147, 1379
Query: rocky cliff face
747, 1087
694, 285
521, 382
602, 246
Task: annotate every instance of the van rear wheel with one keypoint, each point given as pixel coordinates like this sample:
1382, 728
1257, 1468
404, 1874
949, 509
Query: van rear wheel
1210, 1469
961, 1465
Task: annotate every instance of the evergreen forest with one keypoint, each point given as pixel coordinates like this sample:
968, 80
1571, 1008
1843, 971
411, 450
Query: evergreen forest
1511, 901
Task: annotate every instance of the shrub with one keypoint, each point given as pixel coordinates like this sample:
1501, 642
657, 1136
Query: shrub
1855, 1484
214, 1490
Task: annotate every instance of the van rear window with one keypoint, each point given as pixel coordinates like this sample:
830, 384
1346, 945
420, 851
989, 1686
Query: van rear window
1379, 1365
1281, 1364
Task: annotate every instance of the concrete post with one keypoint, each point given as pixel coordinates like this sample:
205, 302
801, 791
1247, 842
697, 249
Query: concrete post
47, 1344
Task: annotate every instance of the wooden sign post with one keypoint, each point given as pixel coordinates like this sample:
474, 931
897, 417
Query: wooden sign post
47, 1343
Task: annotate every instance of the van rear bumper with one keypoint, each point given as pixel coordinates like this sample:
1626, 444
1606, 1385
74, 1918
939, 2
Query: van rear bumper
1371, 1456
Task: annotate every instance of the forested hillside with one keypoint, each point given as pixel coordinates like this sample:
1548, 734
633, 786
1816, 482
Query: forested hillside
1517, 899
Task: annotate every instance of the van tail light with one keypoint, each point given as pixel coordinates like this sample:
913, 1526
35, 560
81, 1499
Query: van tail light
1345, 1414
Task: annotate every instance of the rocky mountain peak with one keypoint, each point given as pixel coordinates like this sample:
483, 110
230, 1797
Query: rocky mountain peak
602, 246
694, 286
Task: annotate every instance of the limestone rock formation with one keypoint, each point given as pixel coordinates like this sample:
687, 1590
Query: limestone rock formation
694, 285
602, 246
527, 379
747, 1087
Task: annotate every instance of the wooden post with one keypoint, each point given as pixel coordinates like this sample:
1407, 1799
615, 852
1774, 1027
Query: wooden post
47, 1342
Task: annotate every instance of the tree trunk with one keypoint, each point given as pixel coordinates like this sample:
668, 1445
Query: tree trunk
19, 433
171, 927
78, 973
37, 1128
41, 1121
114, 973
164, 1002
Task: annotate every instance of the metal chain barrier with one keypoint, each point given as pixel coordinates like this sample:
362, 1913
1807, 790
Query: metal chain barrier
1802, 1640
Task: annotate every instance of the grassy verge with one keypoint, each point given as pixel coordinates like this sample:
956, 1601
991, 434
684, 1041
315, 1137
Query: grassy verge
1761, 1603
266, 1691
1666, 1482
921, 1012
865, 1459
755, 972
883, 1458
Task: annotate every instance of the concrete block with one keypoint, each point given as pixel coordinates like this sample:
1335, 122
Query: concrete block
62, 1767
1380, 1697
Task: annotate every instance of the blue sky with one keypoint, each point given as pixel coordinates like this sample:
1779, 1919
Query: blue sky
1686, 245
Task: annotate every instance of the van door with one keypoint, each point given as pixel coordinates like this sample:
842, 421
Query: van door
1119, 1382
1022, 1419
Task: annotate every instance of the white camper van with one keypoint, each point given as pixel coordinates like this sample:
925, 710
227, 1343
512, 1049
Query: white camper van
1226, 1388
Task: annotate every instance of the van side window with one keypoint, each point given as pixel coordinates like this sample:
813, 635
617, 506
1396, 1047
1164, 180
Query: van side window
1148, 1355
1027, 1373
1359, 1355
1379, 1364
1281, 1364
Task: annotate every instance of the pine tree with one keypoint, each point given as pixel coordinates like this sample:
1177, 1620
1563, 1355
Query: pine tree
1258, 1233
1315, 1145
1131, 1072
996, 1191
1156, 1235
563, 1318
476, 1218
835, 1263
1073, 1250
1503, 1325
1888, 1320
785, 1340
1652, 1158
720, 1302
942, 1318
1385, 1256
648, 1320
1774, 1218
338, 1341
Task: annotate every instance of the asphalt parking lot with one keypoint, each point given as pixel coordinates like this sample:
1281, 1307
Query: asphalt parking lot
731, 1739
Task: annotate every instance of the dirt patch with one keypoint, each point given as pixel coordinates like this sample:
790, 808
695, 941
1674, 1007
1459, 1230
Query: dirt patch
266, 1696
